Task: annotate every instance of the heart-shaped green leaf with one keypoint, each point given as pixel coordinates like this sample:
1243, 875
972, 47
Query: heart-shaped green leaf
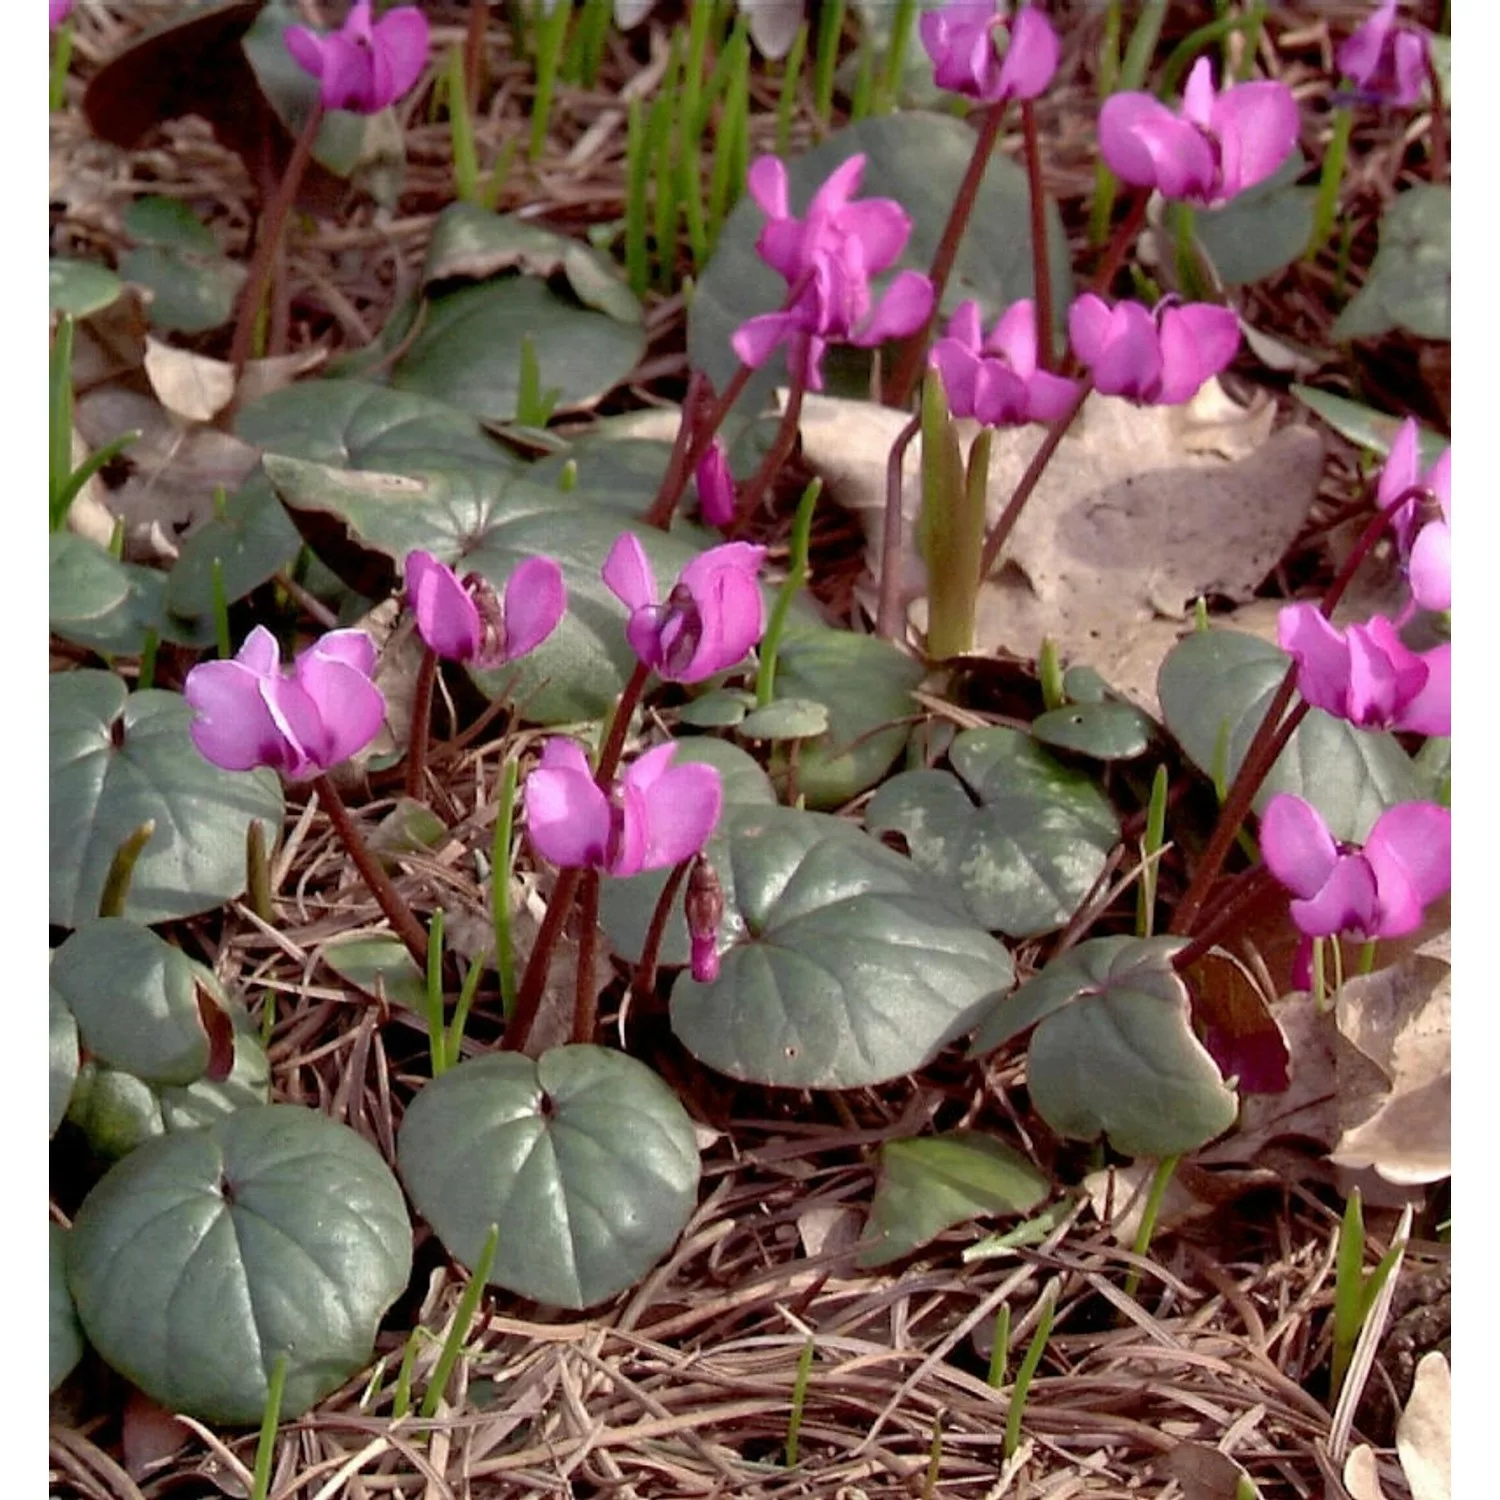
919, 160
469, 350
1367, 427
1102, 731
1410, 284
1027, 854
117, 760
1262, 229
251, 541
178, 261
1218, 678
80, 287
786, 719
64, 1336
81, 584
584, 1158
135, 998
866, 685
207, 1255
849, 972
84, 582
62, 1055
1114, 1051
351, 424
382, 966
929, 1184
720, 708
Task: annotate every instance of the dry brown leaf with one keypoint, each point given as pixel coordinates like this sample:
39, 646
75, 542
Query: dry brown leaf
1141, 510
1118, 1197
1424, 1435
1203, 1472
1362, 1474
191, 386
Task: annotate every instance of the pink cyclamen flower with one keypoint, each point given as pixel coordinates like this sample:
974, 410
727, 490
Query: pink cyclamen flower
364, 65
1219, 145
249, 712
1366, 674
1386, 58
978, 49
1375, 892
997, 380
827, 259
1158, 359
58, 12
464, 619
656, 815
1427, 549
715, 486
710, 619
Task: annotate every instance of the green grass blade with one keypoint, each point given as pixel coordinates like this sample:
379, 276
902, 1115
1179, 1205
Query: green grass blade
458, 1331
60, 419
551, 33
1029, 1362
1349, 1304
461, 130
799, 1400
265, 1447
796, 578
437, 1045
791, 82
502, 867
887, 95
830, 31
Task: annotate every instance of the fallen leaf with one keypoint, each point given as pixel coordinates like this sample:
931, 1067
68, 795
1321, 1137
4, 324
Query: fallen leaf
1362, 1474
1118, 1197
1205, 1473
1142, 510
149, 1435
1424, 1435
191, 386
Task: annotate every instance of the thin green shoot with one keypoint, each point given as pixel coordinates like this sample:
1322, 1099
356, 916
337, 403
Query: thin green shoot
502, 867
267, 1018
221, 610
458, 1330
637, 174
453, 1047
994, 1377
567, 477
1160, 1180
551, 33
1106, 184
146, 677
437, 1045
1187, 51
401, 1396
60, 419
116, 548
887, 94
830, 32
1367, 957
461, 129
1049, 673
796, 578
799, 1400
1200, 615
690, 195
62, 55
258, 872
791, 82
731, 142
500, 173
1335, 159
1153, 840
265, 1447
1029, 1362
1131, 77
534, 406
861, 101
1319, 974
664, 199
934, 1459
121, 872
690, 101
1349, 1305
586, 46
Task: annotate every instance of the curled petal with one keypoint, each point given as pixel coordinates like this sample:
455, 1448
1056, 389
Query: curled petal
351, 647
1429, 710
1197, 340
1015, 337
400, 45
1409, 57
1321, 654
1384, 675
535, 599
446, 617
627, 573
1129, 364
1412, 844
1400, 471
1001, 397
1089, 321
567, 817
905, 307
1198, 95
838, 187
758, 338
766, 182
232, 724
959, 369
306, 48
1431, 567
882, 228
1296, 845
261, 653
349, 708
1347, 903
1358, 56
965, 328
1031, 58
682, 806
716, 486
1257, 125
1146, 145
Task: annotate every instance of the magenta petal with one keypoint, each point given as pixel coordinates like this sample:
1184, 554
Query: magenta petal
1430, 709
1431, 567
965, 328
838, 188
348, 76
1049, 396
756, 339
1031, 59
446, 617
1197, 340
682, 810
1384, 675
715, 483
1015, 337
1321, 654
1257, 125
400, 38
1409, 56
1199, 95
627, 573
306, 48
766, 181
1347, 903
1440, 480
905, 307
1400, 471
1358, 56
1001, 397
1296, 844
260, 652
352, 647
567, 817
783, 245
304, 738
1130, 362
704, 957
1415, 838
1146, 145
882, 228
959, 370
232, 727
350, 708
535, 599
1089, 321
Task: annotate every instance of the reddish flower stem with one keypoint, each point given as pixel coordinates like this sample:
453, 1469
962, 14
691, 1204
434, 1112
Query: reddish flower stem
888, 614
272, 223
644, 981
781, 445
1274, 732
1437, 134
908, 368
586, 996
674, 480
1041, 268
534, 980
398, 913
421, 725
1002, 528
1114, 254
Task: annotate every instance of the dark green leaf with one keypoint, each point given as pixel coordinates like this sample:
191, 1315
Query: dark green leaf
929, 1184
1104, 731
722, 708
1367, 427
64, 1336
1028, 854
584, 1158
189, 292
786, 719
380, 966
62, 1053
1410, 282
100, 793
80, 287
84, 582
207, 1255
1262, 229
169, 223
1223, 677
846, 969
252, 541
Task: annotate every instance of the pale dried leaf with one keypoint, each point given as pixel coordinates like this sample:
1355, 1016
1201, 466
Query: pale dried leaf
1118, 1197
828, 1228
1424, 1435
1203, 1472
1362, 1474
191, 386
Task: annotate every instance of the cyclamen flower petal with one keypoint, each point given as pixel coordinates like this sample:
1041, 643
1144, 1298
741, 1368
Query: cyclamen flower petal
710, 619
997, 380
1157, 360
365, 65
464, 619
961, 38
248, 713
1427, 549
1374, 892
1386, 58
58, 12
658, 814
1218, 145
1366, 674
715, 486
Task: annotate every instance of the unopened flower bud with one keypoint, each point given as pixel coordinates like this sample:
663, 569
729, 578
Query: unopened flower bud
704, 907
